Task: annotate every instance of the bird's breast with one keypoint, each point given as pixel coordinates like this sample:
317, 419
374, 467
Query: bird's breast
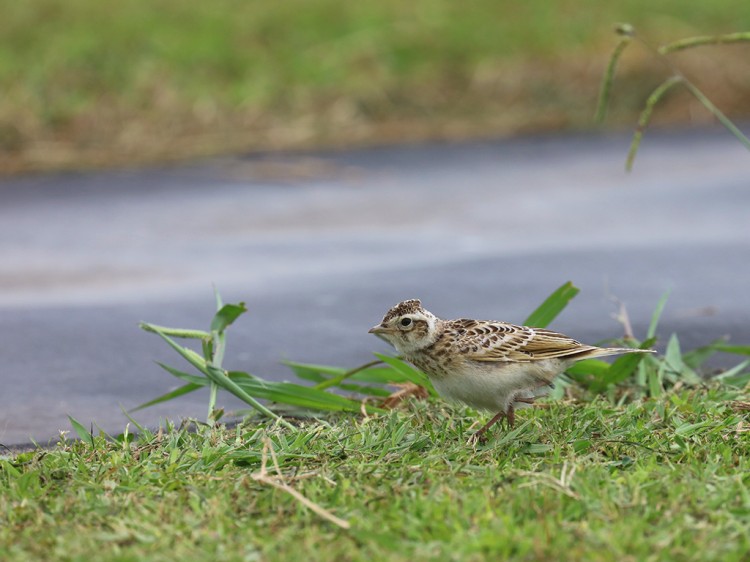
486, 385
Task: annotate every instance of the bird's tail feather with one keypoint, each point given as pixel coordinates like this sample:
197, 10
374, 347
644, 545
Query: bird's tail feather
604, 351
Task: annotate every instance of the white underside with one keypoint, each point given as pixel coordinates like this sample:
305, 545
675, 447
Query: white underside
495, 386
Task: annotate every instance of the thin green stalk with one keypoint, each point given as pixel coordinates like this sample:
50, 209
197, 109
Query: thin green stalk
723, 119
609, 76
335, 381
216, 359
213, 391
219, 376
174, 332
691, 42
645, 117
628, 32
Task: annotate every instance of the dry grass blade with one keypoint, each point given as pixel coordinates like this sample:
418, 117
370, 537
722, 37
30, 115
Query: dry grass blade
405, 391
740, 406
277, 481
562, 484
623, 318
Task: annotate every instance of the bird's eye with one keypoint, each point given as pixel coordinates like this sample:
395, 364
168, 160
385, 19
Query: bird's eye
406, 322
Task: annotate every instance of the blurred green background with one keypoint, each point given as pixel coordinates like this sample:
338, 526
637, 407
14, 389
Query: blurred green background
89, 83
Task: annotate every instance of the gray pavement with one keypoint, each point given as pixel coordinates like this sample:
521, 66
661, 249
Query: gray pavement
320, 245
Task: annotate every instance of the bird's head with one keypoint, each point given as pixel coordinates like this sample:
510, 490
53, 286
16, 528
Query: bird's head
408, 327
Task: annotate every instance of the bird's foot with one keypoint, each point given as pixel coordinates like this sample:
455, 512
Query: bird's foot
477, 438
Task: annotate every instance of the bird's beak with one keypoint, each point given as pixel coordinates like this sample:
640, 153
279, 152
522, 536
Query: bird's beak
379, 329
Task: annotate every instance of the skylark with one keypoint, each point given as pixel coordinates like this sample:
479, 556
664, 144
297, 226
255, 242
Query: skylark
486, 364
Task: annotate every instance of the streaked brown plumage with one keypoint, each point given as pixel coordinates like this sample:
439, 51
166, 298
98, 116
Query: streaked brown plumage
486, 364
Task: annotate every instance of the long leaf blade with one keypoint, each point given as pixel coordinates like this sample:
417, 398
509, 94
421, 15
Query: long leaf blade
656, 316
223, 381
622, 367
298, 395
174, 332
83, 433
188, 354
552, 306
176, 393
735, 349
737, 369
407, 372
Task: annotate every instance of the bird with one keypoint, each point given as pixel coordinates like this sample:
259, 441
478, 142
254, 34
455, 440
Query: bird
486, 364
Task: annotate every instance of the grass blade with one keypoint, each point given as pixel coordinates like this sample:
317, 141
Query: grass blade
675, 367
622, 368
656, 316
182, 375
181, 391
655, 382
589, 367
608, 79
226, 315
298, 395
739, 380
220, 378
188, 354
407, 372
698, 356
138, 426
723, 119
174, 332
309, 370
320, 373
337, 380
729, 373
310, 373
735, 349
552, 306
645, 117
83, 433
691, 42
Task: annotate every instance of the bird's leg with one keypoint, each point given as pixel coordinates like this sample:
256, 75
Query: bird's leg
511, 415
479, 437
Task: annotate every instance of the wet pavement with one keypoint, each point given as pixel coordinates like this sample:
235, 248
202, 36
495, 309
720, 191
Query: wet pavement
320, 245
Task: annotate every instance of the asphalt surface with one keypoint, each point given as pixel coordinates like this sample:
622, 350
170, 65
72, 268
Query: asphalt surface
319, 246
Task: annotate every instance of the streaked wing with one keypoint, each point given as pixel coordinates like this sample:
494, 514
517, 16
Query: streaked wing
501, 341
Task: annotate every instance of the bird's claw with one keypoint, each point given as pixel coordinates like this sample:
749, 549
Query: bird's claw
477, 438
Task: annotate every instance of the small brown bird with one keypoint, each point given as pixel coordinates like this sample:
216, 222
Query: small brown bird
486, 364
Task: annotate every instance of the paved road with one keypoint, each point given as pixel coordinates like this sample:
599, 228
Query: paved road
320, 245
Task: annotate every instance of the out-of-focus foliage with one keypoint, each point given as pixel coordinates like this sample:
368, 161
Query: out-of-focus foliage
86, 82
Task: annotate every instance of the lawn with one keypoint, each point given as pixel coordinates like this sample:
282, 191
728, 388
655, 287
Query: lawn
635, 460
91, 84
657, 479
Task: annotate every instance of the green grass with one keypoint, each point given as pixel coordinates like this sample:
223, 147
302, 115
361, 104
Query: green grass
660, 479
89, 83
635, 460
370, 386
